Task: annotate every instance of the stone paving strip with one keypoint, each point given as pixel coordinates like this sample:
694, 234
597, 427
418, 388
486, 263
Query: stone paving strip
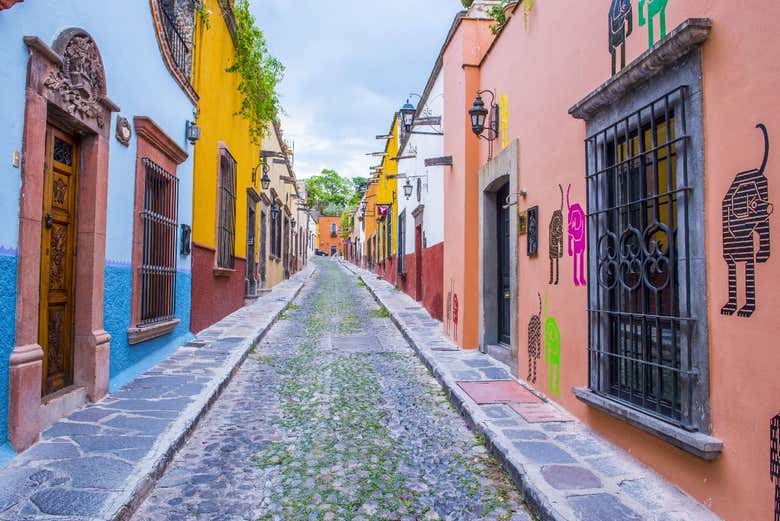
99, 463
563, 469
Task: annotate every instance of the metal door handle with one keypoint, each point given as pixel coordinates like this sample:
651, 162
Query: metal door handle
48, 220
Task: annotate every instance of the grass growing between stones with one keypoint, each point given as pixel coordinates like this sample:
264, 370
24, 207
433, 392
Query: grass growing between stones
344, 455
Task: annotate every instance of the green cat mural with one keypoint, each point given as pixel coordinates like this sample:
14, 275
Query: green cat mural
654, 8
552, 350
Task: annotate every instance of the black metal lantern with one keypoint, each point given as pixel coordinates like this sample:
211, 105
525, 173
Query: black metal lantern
275, 211
265, 181
408, 189
407, 115
363, 207
292, 223
478, 115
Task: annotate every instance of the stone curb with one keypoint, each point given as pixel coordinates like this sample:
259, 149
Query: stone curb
544, 507
142, 480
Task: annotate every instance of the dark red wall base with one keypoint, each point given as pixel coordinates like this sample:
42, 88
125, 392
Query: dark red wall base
214, 298
433, 280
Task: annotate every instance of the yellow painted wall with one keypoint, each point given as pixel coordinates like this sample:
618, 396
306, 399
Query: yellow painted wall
219, 104
387, 188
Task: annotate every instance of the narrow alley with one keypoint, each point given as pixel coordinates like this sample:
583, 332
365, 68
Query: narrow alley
332, 416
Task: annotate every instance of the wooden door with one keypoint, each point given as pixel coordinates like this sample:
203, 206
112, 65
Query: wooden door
418, 261
263, 240
58, 256
251, 266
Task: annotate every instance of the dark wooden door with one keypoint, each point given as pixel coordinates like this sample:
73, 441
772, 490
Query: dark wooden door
251, 249
263, 250
58, 258
418, 261
504, 284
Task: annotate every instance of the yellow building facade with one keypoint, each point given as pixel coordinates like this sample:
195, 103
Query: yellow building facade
224, 191
387, 202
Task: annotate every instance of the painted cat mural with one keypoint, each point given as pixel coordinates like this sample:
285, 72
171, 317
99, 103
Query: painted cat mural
746, 212
577, 239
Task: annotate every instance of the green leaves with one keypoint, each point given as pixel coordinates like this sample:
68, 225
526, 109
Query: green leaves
260, 73
331, 194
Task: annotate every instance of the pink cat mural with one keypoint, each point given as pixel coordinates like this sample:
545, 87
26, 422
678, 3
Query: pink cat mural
577, 239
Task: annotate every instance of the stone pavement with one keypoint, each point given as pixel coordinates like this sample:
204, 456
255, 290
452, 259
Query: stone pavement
99, 463
564, 470
333, 417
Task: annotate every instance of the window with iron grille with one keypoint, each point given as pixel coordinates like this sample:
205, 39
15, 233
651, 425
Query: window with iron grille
333, 229
641, 307
160, 252
226, 222
402, 243
178, 19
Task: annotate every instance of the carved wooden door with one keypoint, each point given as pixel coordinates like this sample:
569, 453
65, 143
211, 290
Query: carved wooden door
58, 255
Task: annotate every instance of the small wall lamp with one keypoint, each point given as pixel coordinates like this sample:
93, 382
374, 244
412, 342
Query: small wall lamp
193, 132
479, 114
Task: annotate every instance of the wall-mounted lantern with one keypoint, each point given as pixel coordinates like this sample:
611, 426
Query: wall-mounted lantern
193, 132
408, 189
186, 239
409, 119
480, 115
275, 211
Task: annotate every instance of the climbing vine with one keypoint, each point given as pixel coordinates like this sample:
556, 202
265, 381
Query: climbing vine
260, 73
203, 13
496, 12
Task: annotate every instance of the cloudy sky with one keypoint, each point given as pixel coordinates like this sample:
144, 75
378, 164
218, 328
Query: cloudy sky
350, 66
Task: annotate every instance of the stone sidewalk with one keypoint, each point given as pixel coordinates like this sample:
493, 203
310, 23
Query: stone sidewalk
563, 469
99, 463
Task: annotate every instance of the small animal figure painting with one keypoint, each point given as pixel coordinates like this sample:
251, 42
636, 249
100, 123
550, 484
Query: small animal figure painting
533, 231
774, 461
552, 350
556, 242
746, 212
534, 343
621, 25
654, 8
577, 239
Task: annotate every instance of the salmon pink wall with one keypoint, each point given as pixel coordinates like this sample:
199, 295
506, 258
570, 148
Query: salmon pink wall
543, 71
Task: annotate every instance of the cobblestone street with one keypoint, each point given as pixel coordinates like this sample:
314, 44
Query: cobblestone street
333, 417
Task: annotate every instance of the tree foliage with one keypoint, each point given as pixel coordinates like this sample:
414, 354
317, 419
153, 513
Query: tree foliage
331, 194
260, 73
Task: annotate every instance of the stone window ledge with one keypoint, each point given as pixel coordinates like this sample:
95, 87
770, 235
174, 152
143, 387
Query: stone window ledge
223, 272
696, 443
677, 44
136, 335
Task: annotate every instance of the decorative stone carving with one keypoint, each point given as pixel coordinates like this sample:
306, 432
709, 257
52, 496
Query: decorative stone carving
57, 259
123, 131
79, 81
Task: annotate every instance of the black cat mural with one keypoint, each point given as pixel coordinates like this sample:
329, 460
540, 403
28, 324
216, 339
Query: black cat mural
534, 343
621, 25
556, 242
746, 212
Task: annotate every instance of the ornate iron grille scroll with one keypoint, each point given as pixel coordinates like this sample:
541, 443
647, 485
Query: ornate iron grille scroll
160, 252
641, 325
226, 240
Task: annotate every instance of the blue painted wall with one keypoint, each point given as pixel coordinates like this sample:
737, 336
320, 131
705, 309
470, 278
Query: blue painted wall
138, 81
7, 318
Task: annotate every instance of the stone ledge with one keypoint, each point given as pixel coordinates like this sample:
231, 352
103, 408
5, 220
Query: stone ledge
136, 335
696, 443
681, 41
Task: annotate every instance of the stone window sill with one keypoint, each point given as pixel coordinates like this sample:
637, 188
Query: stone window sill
136, 335
696, 443
223, 272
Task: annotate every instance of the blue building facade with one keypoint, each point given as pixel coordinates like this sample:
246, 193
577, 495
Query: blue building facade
131, 85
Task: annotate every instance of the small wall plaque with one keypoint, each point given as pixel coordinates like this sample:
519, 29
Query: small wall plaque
123, 131
522, 223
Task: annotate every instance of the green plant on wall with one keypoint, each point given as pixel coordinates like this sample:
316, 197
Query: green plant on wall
552, 350
654, 8
260, 73
496, 13
203, 13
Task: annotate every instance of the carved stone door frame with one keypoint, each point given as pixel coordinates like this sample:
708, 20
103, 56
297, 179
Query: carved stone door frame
66, 86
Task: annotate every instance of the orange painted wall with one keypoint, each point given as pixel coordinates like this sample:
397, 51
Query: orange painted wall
461, 80
543, 71
324, 239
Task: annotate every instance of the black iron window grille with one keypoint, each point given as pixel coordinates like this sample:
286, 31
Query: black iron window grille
180, 46
641, 322
226, 222
160, 252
